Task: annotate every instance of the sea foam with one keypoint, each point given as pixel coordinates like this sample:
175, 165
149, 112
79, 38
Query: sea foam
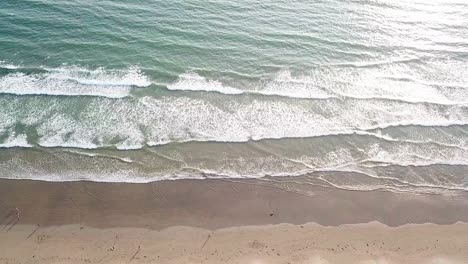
389, 81
133, 124
19, 141
74, 81
191, 81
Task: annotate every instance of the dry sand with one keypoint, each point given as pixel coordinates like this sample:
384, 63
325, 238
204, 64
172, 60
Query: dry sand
217, 221
284, 243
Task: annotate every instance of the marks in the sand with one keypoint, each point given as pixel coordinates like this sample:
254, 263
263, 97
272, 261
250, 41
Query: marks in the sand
206, 241
136, 253
114, 244
282, 244
263, 248
34, 231
257, 244
270, 208
11, 219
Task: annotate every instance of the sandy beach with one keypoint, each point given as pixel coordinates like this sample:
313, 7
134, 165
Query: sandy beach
234, 132
219, 221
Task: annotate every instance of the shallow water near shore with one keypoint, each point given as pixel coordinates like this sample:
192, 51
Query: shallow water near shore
361, 95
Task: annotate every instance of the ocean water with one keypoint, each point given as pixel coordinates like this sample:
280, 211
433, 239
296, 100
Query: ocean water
360, 95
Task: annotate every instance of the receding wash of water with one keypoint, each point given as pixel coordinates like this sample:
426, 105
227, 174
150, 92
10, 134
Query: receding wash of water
358, 95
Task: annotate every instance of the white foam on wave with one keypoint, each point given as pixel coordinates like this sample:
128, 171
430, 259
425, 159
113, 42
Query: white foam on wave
363, 64
154, 121
5, 65
75, 81
18, 141
130, 176
284, 85
390, 83
446, 141
414, 155
383, 154
436, 82
204, 162
92, 155
101, 76
191, 81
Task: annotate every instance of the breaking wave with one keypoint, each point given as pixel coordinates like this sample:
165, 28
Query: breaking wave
73, 81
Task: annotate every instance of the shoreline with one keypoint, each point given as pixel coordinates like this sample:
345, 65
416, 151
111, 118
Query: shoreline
214, 204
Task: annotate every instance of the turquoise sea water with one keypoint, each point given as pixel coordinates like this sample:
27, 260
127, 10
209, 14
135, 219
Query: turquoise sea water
361, 94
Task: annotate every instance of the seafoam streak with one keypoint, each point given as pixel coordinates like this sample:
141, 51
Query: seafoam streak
74, 81
388, 81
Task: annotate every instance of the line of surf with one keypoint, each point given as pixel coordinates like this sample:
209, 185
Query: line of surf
284, 85
20, 141
79, 81
126, 176
73, 81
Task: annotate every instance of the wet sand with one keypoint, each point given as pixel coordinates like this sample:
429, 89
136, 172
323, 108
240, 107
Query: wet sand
219, 221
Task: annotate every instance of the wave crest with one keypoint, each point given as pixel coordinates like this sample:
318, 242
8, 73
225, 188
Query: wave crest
392, 82
74, 81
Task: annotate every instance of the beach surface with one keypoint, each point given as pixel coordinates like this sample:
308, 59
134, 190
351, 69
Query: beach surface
221, 221
229, 132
